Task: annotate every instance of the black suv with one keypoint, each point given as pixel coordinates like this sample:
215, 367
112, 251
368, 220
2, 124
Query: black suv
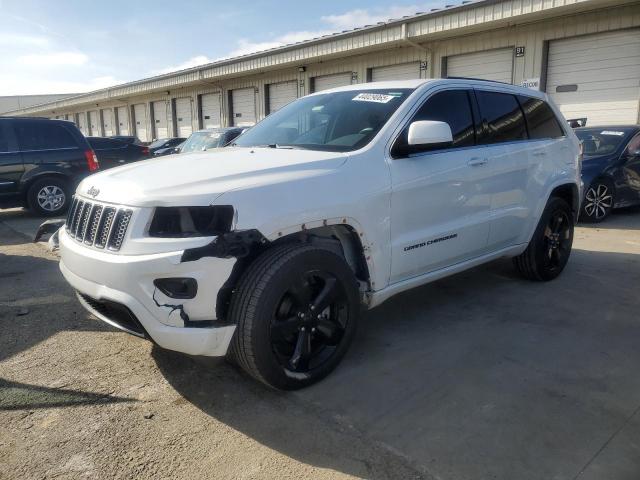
41, 163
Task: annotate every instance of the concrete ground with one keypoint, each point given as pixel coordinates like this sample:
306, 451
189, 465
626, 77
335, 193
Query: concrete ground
481, 375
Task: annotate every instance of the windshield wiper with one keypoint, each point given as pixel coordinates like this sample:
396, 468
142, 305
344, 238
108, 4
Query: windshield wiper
275, 145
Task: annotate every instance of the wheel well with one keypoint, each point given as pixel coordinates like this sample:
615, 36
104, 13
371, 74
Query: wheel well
31, 181
341, 239
569, 193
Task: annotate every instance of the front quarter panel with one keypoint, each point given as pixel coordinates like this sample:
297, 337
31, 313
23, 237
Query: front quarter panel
356, 194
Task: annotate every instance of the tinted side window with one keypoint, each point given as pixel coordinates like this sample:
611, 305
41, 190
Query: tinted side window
43, 136
452, 107
541, 121
103, 143
7, 140
503, 120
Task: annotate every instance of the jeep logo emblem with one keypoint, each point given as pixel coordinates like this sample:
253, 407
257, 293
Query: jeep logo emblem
93, 191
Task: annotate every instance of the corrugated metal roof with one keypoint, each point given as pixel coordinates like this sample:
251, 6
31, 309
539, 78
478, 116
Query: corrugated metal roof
451, 17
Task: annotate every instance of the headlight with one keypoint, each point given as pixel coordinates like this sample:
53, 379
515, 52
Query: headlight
177, 222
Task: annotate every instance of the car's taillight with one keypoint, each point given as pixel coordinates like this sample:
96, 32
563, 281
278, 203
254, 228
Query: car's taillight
92, 160
145, 150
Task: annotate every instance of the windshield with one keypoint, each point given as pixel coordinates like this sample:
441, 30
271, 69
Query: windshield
200, 141
601, 141
341, 121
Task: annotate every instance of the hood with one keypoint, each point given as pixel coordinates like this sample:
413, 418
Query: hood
199, 178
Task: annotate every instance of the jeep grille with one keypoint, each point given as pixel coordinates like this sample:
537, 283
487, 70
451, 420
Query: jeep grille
98, 225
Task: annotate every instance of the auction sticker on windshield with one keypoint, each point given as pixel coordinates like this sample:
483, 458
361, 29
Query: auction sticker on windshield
373, 97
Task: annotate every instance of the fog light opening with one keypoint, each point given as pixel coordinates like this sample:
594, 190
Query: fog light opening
182, 288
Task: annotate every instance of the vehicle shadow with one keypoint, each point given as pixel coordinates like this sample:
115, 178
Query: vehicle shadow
34, 303
22, 396
510, 372
627, 218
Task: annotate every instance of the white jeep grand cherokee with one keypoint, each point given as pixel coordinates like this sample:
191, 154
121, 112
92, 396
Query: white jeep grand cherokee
266, 251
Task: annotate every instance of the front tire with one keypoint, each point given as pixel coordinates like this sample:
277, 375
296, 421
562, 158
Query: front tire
296, 309
598, 201
549, 249
48, 197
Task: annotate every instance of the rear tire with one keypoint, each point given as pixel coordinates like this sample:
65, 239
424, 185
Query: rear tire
598, 203
296, 309
48, 197
550, 247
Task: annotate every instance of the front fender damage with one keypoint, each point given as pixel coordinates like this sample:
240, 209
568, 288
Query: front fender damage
238, 244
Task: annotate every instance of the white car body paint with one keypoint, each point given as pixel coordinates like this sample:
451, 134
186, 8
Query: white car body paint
470, 205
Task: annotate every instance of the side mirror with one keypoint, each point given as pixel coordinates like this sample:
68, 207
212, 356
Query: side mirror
425, 133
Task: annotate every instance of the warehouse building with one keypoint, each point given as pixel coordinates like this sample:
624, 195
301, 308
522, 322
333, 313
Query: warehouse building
584, 53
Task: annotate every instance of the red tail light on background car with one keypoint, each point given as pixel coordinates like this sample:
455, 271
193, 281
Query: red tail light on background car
92, 160
145, 150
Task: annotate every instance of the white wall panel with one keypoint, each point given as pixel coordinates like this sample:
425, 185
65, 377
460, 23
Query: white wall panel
141, 126
603, 70
184, 117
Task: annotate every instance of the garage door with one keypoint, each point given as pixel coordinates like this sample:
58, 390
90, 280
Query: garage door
184, 117
243, 104
282, 93
403, 71
326, 82
489, 65
123, 121
140, 115
160, 122
71, 117
94, 124
107, 122
597, 77
210, 105
82, 123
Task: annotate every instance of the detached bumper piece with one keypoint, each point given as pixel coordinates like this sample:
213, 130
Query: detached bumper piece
115, 314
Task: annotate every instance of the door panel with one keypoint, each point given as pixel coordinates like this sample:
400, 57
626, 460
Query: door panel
211, 111
244, 107
184, 117
11, 167
439, 211
490, 65
160, 126
440, 199
140, 116
123, 121
94, 124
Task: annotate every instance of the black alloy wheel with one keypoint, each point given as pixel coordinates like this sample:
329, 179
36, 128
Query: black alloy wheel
550, 247
557, 240
309, 322
295, 309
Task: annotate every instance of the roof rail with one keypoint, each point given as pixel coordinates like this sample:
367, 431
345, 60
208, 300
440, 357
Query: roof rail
479, 79
15, 117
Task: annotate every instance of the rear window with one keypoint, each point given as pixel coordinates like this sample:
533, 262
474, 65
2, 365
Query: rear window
541, 121
601, 141
43, 136
502, 117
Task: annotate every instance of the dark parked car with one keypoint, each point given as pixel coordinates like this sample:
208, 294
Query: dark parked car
112, 153
127, 139
41, 163
165, 146
210, 138
610, 169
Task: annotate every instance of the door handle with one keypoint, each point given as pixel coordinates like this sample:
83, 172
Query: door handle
539, 153
477, 162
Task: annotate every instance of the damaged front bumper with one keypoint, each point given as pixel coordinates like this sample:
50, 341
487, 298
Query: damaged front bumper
120, 290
